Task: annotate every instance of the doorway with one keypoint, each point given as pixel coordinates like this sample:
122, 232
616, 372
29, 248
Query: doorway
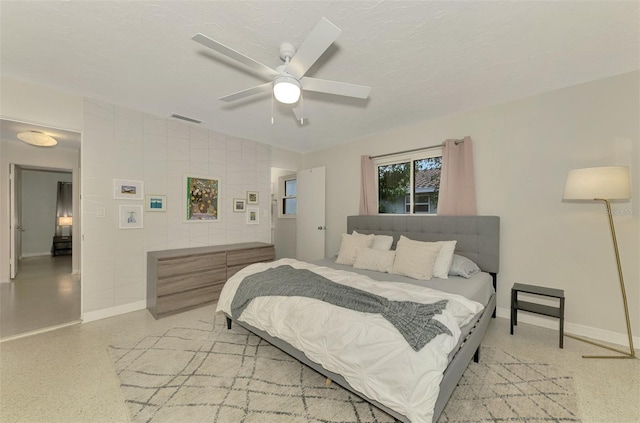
44, 290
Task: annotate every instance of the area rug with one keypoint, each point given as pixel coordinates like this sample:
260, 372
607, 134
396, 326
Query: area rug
206, 373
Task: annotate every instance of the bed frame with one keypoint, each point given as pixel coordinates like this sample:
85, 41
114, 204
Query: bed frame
478, 239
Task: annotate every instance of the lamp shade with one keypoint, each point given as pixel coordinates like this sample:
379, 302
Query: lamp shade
65, 221
609, 183
286, 89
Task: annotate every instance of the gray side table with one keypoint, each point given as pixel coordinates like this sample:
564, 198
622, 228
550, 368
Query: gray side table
545, 310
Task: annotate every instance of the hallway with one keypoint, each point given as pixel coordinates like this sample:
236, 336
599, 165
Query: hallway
44, 294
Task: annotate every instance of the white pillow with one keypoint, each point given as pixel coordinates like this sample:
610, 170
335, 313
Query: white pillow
347, 253
372, 259
415, 258
464, 267
444, 259
380, 242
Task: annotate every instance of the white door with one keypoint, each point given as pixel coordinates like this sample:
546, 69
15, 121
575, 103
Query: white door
310, 225
15, 227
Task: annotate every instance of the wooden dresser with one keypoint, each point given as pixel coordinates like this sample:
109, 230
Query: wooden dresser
186, 278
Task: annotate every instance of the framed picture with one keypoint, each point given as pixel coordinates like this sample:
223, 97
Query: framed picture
253, 215
239, 205
252, 197
127, 190
130, 217
155, 203
202, 196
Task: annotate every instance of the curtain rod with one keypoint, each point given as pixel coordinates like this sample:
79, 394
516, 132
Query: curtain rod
415, 149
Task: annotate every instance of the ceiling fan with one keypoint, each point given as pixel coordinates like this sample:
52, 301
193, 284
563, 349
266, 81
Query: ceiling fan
288, 80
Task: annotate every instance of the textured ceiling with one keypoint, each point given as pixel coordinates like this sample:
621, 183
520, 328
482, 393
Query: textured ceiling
422, 59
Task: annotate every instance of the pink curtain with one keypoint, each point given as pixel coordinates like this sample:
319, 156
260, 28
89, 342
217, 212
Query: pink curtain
368, 197
457, 195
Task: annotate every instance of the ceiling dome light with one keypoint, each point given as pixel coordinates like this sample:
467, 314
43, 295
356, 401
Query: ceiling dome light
37, 138
286, 89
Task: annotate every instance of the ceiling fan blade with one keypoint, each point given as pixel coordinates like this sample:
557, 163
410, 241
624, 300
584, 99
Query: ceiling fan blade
317, 42
335, 87
248, 92
231, 53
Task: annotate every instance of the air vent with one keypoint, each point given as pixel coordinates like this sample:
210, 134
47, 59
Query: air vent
186, 118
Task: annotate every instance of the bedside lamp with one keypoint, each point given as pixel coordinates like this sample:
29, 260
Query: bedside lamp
603, 184
65, 221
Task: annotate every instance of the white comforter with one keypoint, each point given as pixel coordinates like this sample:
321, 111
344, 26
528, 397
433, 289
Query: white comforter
364, 348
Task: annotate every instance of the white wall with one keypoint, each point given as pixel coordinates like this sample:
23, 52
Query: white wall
523, 151
120, 143
39, 203
40, 105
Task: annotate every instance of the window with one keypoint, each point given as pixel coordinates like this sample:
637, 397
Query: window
289, 191
409, 183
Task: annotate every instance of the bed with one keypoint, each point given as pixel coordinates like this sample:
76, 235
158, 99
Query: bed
477, 239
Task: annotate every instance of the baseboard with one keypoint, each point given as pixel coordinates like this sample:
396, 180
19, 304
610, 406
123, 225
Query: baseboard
113, 311
572, 328
48, 253
39, 331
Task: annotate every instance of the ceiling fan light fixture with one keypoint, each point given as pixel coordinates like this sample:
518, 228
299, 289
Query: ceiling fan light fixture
286, 89
37, 138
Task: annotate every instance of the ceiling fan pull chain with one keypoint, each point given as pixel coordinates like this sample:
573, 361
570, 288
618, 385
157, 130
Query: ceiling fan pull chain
301, 108
272, 107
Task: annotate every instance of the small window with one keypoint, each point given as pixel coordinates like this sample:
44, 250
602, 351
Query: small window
409, 183
289, 196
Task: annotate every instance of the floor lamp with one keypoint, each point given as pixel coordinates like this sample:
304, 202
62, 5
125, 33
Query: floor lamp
603, 184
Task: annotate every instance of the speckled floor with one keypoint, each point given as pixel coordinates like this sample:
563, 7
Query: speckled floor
43, 294
67, 376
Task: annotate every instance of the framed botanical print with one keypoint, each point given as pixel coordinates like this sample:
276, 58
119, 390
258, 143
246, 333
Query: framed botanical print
252, 197
202, 199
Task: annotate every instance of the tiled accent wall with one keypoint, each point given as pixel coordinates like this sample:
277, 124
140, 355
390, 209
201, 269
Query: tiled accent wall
119, 143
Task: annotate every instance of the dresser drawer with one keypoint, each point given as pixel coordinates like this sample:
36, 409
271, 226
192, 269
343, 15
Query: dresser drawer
248, 256
189, 264
189, 281
186, 300
186, 278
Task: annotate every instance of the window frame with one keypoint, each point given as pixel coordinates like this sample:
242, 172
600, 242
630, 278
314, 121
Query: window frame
282, 180
427, 153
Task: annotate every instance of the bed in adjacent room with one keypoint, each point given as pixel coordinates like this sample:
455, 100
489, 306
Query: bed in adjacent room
395, 318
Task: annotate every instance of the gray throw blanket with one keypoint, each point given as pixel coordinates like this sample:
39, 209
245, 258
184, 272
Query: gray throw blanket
413, 320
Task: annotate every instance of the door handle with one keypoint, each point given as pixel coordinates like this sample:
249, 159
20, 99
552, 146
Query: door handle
320, 228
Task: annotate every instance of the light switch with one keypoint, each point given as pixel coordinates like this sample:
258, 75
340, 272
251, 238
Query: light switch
100, 212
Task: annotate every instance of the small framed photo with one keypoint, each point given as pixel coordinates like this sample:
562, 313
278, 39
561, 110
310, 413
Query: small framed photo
155, 203
130, 217
239, 205
253, 215
127, 190
252, 197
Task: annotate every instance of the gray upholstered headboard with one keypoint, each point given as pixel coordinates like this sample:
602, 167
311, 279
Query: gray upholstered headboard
478, 236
